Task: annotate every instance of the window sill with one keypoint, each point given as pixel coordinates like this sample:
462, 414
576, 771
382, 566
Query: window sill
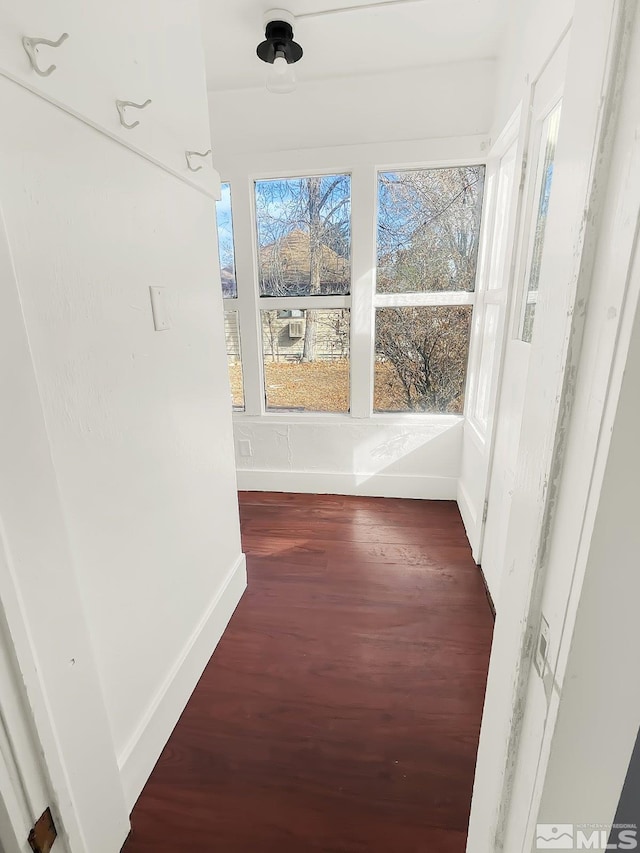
379, 418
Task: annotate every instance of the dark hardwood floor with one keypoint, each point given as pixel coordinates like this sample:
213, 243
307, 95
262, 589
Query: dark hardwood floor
341, 710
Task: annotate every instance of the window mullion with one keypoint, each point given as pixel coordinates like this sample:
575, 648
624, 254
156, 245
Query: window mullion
279, 303
363, 260
447, 297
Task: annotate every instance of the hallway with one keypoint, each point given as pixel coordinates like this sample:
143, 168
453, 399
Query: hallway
342, 708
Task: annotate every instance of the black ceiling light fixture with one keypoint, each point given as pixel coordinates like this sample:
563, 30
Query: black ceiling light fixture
280, 51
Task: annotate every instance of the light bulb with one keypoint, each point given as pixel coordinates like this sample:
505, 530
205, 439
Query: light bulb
281, 78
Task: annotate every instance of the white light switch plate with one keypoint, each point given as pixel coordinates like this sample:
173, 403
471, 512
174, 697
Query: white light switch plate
159, 309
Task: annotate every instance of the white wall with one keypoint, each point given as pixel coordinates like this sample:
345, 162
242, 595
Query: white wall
416, 459
533, 32
433, 102
599, 711
139, 430
43, 611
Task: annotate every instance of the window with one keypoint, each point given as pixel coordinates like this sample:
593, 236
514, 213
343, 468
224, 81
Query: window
304, 276
232, 340
391, 337
321, 382
226, 252
226, 249
429, 229
304, 236
428, 237
544, 177
421, 358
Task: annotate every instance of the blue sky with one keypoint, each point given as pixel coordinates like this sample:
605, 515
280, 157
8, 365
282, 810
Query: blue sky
225, 227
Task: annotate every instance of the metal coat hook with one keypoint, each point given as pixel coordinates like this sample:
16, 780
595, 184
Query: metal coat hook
121, 105
189, 154
31, 47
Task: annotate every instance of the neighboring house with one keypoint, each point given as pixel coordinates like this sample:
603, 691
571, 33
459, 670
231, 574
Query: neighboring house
285, 271
232, 336
283, 335
285, 267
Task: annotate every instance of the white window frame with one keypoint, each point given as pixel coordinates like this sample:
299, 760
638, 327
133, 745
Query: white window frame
231, 303
363, 299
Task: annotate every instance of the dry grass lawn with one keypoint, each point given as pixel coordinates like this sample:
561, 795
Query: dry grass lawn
320, 386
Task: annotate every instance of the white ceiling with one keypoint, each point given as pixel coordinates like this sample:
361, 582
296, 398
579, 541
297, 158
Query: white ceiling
358, 41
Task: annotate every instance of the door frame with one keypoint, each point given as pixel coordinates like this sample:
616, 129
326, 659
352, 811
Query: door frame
9, 813
12, 838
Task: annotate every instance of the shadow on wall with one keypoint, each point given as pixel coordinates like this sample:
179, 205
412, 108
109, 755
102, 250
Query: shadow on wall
408, 451
400, 458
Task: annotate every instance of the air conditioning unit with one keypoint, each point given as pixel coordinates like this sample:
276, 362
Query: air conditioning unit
296, 328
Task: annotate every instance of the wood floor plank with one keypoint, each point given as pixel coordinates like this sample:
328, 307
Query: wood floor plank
341, 710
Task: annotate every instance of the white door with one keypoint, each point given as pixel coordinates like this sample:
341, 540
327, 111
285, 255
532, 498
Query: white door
542, 136
490, 313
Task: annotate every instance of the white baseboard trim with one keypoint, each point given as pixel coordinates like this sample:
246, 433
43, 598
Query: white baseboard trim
143, 750
332, 483
469, 515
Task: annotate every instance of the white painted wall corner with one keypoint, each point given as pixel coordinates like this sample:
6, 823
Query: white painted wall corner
140, 755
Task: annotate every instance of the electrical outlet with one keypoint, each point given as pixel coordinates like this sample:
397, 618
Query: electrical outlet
542, 648
244, 447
